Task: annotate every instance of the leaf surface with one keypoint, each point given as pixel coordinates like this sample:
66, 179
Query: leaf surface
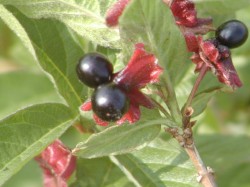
118, 140
84, 17
32, 89
100, 172
57, 54
152, 23
25, 133
159, 164
10, 20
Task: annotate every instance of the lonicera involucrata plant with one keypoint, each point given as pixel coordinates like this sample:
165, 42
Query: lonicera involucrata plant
129, 100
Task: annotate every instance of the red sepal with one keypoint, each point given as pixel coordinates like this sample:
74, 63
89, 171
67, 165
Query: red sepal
57, 163
114, 13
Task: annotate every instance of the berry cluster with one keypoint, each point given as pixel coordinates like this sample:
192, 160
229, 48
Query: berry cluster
215, 52
117, 96
109, 102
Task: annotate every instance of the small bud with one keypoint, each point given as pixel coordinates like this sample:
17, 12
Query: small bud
189, 111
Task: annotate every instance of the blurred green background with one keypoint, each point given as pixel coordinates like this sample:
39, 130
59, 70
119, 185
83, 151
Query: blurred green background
23, 83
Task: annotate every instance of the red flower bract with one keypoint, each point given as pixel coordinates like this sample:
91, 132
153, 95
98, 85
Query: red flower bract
218, 58
184, 12
142, 69
113, 14
57, 163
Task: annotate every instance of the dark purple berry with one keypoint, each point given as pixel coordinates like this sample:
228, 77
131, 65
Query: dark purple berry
232, 33
94, 69
109, 102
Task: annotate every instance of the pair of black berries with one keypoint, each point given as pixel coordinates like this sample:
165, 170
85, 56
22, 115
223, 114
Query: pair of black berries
232, 33
109, 102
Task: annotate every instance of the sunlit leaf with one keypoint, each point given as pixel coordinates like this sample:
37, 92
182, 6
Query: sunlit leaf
159, 164
84, 17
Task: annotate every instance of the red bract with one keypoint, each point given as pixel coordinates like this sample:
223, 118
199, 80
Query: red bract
113, 14
218, 58
184, 12
57, 163
141, 70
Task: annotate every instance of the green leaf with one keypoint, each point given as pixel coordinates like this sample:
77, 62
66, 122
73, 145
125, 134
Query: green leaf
10, 20
228, 156
235, 176
152, 23
201, 100
217, 7
29, 175
159, 164
23, 88
99, 172
220, 10
25, 133
83, 17
119, 139
208, 87
58, 55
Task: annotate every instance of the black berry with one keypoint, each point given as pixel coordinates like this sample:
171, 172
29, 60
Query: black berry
232, 33
94, 69
109, 102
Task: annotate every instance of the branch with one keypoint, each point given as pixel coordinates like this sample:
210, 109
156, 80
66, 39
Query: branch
206, 177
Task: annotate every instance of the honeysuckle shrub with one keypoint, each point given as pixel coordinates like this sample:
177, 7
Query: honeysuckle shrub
41, 96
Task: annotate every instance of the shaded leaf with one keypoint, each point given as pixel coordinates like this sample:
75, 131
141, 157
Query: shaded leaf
201, 100
218, 7
25, 133
29, 175
23, 88
152, 23
99, 172
228, 156
10, 20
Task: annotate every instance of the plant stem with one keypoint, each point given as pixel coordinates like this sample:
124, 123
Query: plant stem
206, 176
195, 87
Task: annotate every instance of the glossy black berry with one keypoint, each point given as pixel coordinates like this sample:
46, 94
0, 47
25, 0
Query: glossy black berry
109, 102
232, 33
94, 69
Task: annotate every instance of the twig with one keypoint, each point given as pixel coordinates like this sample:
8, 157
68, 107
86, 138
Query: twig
186, 114
206, 177
196, 86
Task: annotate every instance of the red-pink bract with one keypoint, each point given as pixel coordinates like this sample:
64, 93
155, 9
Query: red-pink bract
218, 58
113, 14
184, 12
57, 163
